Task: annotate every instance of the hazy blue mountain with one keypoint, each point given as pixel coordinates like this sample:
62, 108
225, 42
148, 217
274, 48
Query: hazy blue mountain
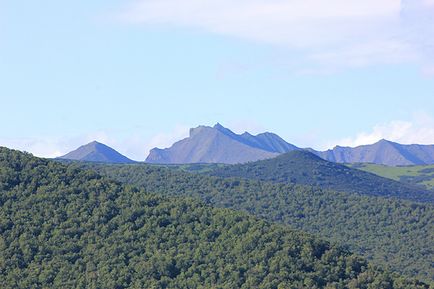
383, 152
220, 145
96, 152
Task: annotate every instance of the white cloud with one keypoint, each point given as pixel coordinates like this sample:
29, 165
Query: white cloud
363, 55
297, 23
428, 70
166, 139
133, 146
429, 2
51, 147
334, 32
419, 130
38, 147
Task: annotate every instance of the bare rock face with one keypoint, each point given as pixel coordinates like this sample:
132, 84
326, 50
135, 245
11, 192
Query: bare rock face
220, 145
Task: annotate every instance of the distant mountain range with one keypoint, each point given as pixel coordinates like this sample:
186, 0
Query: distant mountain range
383, 152
96, 152
220, 145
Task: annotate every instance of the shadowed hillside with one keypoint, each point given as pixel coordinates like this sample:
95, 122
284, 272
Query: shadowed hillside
302, 167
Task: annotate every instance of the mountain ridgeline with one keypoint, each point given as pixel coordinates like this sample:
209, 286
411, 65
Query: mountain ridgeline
302, 167
96, 152
383, 152
64, 227
220, 145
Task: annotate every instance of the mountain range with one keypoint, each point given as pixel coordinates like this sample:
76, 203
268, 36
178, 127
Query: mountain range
218, 144
382, 152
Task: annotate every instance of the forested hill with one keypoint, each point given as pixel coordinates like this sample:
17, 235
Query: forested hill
302, 167
63, 227
390, 232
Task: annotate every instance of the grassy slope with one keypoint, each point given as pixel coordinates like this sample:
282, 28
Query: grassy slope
415, 175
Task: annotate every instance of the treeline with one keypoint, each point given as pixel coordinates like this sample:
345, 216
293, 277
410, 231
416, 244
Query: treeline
392, 233
63, 227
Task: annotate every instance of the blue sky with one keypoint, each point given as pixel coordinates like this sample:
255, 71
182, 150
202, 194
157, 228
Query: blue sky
138, 74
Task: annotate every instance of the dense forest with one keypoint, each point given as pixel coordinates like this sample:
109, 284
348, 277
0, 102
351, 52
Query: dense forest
302, 167
391, 232
64, 227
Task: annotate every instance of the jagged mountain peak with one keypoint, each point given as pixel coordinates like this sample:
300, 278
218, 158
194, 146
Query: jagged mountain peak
218, 144
218, 126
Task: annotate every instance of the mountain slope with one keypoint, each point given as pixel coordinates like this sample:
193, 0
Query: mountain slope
302, 167
96, 152
422, 175
220, 145
268, 141
383, 152
391, 232
62, 227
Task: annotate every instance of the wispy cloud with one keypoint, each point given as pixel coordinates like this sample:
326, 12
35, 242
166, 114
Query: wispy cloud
51, 147
134, 146
299, 23
419, 130
166, 139
331, 33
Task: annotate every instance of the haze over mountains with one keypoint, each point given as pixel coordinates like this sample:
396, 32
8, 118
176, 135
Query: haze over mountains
218, 144
382, 152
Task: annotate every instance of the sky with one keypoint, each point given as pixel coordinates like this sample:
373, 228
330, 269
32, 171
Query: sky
138, 74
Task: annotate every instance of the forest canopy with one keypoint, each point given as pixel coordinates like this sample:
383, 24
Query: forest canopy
65, 227
393, 233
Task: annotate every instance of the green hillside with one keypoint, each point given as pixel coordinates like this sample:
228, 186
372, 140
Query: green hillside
302, 167
62, 227
414, 175
391, 232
